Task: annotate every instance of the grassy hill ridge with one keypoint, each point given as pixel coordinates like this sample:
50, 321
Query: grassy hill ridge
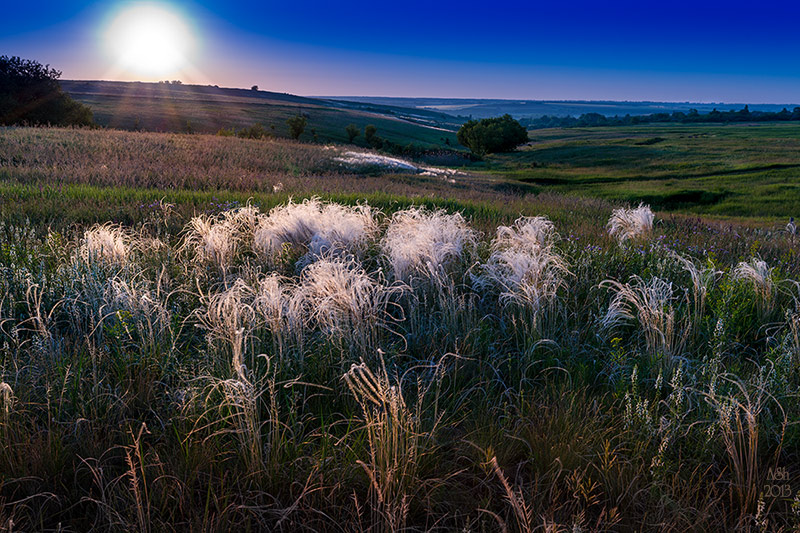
207, 109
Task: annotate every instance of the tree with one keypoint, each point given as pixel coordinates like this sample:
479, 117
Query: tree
352, 132
254, 88
30, 94
297, 125
490, 135
370, 134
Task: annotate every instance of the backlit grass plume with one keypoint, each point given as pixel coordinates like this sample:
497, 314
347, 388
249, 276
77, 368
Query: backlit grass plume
107, 243
212, 241
759, 275
423, 243
229, 318
653, 304
630, 224
316, 228
524, 266
281, 307
345, 301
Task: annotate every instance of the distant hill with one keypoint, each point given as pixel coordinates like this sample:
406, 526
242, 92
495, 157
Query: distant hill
207, 109
485, 108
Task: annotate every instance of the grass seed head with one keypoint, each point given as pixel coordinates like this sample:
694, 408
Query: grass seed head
422, 242
108, 243
317, 227
630, 224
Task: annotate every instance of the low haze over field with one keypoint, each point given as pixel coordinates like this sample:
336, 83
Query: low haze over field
680, 51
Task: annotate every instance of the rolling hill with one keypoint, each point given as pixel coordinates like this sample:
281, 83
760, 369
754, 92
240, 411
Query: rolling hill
207, 109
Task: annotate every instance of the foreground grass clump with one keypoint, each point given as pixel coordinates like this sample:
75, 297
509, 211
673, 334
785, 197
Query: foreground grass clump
323, 366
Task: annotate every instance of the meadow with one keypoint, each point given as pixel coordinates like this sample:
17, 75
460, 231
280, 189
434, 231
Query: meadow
747, 170
212, 333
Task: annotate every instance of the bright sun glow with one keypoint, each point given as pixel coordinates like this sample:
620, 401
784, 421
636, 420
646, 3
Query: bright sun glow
149, 40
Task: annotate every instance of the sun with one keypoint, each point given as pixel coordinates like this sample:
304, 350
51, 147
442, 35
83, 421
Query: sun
149, 40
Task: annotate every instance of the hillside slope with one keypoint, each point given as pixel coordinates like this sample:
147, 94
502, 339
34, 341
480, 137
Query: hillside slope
207, 109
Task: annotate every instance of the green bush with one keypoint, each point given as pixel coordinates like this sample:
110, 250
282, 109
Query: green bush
256, 131
297, 125
352, 132
491, 135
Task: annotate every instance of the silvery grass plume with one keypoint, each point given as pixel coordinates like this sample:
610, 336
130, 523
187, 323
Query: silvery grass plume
109, 244
703, 279
229, 318
629, 224
653, 305
139, 310
345, 301
242, 222
526, 233
422, 243
6, 408
524, 266
757, 273
317, 227
282, 308
212, 241
6, 399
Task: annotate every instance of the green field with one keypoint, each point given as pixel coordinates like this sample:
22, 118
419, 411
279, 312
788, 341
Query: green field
207, 333
203, 109
733, 171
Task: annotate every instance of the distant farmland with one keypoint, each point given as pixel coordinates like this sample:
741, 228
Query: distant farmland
743, 170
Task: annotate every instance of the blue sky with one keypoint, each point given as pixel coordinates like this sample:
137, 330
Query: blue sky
677, 51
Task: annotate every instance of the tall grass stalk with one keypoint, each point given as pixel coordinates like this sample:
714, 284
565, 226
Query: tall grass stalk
653, 305
738, 421
396, 440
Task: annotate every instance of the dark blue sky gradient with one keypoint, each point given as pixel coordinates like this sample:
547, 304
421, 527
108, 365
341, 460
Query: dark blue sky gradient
678, 51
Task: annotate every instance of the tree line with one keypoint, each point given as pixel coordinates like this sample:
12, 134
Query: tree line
692, 116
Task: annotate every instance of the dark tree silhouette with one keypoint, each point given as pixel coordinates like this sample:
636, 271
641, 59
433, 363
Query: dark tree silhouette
297, 125
352, 132
492, 135
30, 94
